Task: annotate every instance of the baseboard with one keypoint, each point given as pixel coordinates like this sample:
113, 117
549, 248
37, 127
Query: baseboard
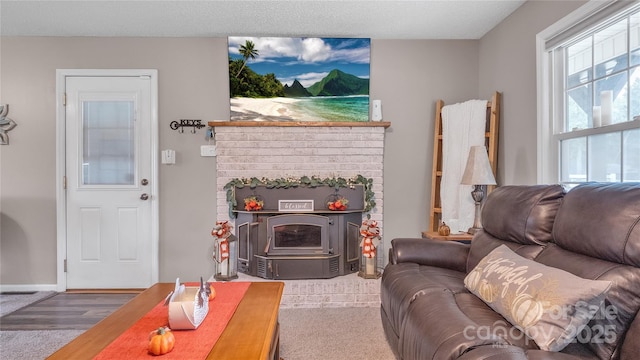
104, 291
27, 287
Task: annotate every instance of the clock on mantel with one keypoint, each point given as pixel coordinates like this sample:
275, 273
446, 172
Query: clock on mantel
384, 124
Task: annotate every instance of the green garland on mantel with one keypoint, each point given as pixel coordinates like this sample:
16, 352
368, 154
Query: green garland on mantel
304, 181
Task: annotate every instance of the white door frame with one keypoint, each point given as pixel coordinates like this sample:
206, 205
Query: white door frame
61, 205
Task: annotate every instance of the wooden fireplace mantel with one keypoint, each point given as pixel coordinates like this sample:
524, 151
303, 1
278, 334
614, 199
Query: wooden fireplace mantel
384, 124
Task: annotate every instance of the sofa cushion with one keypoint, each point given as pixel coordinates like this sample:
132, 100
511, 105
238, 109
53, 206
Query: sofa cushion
483, 243
601, 220
402, 283
517, 353
599, 224
550, 305
438, 326
622, 302
522, 214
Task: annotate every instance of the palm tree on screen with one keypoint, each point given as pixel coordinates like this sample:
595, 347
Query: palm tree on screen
248, 51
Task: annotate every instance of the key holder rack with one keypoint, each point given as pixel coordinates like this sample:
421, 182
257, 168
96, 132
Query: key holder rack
182, 123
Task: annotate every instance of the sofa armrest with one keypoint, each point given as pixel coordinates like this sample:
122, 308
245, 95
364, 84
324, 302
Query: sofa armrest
446, 254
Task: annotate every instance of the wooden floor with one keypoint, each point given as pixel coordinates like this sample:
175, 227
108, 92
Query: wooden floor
66, 311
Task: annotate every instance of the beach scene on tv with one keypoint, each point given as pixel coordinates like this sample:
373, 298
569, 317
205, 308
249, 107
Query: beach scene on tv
299, 79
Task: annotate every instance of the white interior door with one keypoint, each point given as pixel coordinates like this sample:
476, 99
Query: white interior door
108, 133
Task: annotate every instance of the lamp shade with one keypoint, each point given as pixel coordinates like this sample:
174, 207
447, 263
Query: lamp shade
478, 170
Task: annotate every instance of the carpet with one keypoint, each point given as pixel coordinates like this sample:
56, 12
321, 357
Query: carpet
33, 344
333, 333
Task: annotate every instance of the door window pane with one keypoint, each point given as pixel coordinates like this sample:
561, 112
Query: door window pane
631, 155
108, 153
574, 160
604, 157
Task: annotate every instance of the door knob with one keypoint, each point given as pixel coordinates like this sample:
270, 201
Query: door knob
144, 182
144, 197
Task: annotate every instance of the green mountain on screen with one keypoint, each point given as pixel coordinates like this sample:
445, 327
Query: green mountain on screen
296, 90
339, 83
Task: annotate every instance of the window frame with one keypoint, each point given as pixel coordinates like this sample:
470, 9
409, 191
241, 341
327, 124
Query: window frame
551, 90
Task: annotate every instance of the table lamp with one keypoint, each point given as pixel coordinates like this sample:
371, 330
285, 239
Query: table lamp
478, 173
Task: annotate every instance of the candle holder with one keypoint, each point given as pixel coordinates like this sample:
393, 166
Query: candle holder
225, 252
369, 266
226, 258
369, 250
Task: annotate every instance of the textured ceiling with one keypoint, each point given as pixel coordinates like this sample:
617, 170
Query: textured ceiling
426, 19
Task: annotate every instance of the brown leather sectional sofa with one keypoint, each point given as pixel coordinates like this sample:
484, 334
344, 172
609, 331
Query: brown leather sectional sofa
592, 231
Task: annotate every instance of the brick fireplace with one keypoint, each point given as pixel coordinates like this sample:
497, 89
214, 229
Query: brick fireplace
259, 150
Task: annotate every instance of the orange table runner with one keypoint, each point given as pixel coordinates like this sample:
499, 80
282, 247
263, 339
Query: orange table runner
190, 344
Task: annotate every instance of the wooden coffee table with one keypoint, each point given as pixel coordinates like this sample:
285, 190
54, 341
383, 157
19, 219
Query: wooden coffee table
252, 333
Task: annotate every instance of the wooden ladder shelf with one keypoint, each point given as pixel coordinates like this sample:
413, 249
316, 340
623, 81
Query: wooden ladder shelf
491, 142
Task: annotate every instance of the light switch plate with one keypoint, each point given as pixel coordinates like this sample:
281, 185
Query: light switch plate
168, 157
208, 150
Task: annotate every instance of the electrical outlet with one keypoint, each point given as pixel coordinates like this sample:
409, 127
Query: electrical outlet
208, 150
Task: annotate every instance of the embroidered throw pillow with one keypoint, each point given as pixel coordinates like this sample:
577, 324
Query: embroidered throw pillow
549, 305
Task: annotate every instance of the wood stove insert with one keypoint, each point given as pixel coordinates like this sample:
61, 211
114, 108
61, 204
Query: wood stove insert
318, 244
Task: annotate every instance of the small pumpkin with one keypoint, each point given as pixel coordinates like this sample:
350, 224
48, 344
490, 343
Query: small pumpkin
161, 341
211, 292
444, 229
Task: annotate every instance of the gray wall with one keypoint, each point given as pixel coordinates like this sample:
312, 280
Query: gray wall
508, 64
193, 84
407, 75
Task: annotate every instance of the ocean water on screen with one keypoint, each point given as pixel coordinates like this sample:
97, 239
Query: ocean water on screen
335, 108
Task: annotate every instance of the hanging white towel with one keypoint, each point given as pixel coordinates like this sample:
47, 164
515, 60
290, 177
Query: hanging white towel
463, 126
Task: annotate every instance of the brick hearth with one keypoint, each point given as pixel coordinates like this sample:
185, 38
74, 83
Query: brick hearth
342, 291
